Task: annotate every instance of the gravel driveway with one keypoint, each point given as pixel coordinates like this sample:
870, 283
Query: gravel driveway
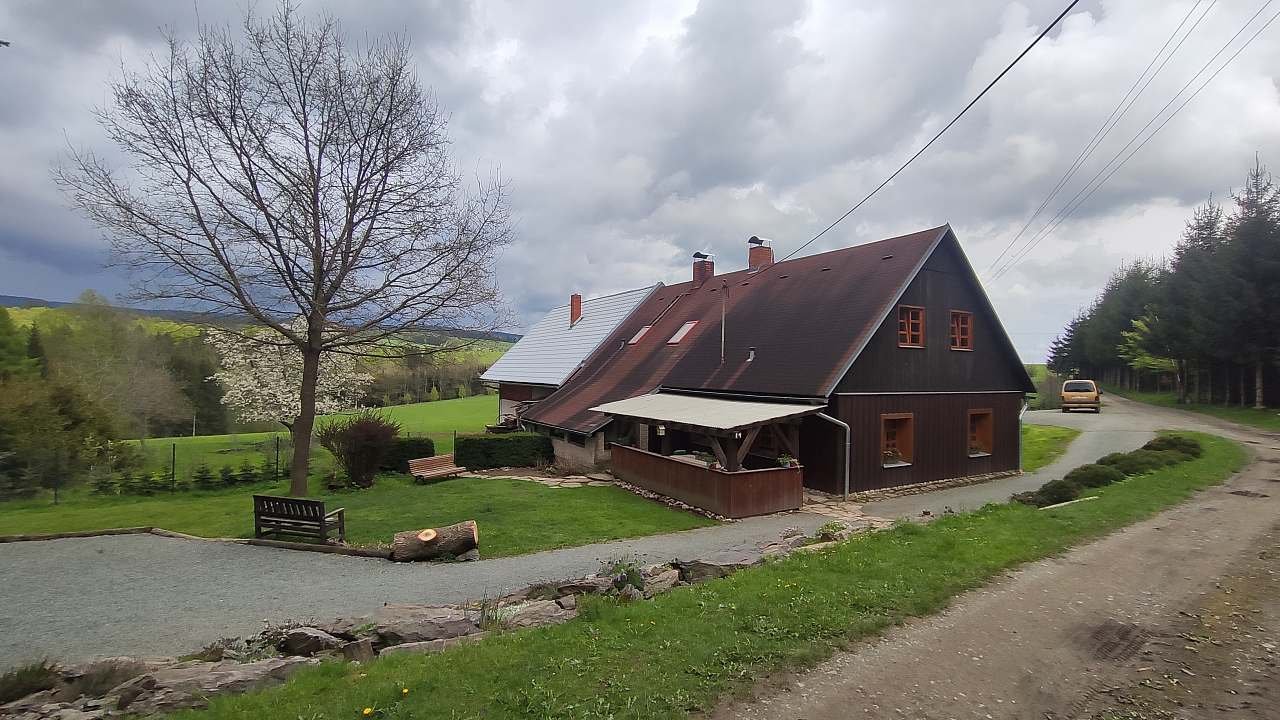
148, 595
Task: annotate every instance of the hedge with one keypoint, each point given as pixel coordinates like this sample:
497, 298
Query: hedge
1093, 476
1180, 443
521, 449
405, 449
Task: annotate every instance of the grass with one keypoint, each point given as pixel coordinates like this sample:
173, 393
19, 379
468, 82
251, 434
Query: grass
1042, 444
1265, 419
438, 419
1037, 371
688, 649
515, 516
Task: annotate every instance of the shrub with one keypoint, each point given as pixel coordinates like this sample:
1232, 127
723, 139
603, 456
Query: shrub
405, 449
1051, 493
1140, 462
104, 485
267, 471
1094, 476
360, 444
1180, 443
226, 476
1112, 458
248, 473
21, 681
203, 478
157, 482
521, 449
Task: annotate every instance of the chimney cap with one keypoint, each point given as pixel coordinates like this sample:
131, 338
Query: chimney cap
700, 255
757, 240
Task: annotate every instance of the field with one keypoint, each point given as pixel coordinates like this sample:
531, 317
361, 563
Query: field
1042, 444
1265, 419
682, 652
515, 516
437, 419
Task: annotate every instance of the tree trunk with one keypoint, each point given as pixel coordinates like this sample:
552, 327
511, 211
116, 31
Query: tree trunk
435, 543
305, 424
1241, 386
1257, 385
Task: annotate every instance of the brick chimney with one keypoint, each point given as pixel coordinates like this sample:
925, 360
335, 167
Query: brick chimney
575, 309
704, 268
759, 253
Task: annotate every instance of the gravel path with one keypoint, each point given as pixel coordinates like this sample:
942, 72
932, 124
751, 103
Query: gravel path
148, 595
1122, 425
1173, 617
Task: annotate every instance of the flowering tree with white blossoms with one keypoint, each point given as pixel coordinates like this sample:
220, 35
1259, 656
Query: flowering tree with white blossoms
263, 380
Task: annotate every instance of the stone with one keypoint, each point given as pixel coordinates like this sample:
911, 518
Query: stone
399, 624
718, 565
191, 684
631, 592
568, 602
432, 646
307, 641
661, 582
593, 585
30, 703
818, 546
600, 477
536, 613
358, 650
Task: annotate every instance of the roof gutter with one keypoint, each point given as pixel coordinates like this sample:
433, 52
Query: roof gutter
848, 446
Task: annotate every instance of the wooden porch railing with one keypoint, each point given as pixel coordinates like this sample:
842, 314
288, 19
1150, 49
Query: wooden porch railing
731, 494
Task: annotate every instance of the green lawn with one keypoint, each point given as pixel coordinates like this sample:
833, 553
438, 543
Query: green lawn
515, 516
1042, 444
438, 419
1266, 419
688, 649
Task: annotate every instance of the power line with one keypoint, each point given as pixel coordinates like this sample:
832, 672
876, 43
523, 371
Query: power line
926, 146
1117, 113
1082, 196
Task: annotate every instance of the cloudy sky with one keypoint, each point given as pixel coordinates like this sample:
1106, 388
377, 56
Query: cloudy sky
634, 133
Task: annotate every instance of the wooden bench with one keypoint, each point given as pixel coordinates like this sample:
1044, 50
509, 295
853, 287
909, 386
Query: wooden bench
440, 466
296, 516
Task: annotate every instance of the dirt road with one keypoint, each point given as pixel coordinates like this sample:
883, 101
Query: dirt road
1174, 617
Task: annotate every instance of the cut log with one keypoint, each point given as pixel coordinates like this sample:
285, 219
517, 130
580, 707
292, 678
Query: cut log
435, 543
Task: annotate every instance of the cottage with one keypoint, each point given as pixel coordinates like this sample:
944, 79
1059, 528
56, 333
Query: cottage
554, 349
868, 367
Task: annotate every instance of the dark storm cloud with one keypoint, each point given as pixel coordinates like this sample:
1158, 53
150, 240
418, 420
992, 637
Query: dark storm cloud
633, 133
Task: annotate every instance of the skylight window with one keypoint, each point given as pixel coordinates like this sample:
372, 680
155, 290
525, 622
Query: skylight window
684, 330
639, 334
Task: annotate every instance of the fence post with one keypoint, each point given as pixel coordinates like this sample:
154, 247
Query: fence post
277, 457
173, 467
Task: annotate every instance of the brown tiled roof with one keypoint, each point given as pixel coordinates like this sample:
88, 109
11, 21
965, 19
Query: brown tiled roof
807, 318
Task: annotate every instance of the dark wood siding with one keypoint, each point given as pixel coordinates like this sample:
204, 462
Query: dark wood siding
943, 285
941, 425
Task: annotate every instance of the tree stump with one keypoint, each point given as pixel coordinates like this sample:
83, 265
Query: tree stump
435, 543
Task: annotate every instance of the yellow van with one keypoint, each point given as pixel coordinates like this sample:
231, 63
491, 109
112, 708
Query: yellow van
1081, 395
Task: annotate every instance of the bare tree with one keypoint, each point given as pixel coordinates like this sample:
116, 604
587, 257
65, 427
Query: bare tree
283, 173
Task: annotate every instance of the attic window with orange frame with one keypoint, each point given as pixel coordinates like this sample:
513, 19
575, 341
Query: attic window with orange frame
961, 330
910, 326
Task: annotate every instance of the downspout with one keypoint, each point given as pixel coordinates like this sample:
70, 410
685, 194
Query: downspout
1021, 412
848, 445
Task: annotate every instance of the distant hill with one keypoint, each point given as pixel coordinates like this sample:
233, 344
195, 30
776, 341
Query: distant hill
19, 301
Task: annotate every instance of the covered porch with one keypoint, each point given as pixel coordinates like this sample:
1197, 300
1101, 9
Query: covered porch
735, 458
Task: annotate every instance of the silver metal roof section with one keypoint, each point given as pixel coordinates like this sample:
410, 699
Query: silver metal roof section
551, 350
708, 412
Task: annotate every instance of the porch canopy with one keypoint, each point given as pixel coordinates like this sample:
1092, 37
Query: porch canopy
731, 426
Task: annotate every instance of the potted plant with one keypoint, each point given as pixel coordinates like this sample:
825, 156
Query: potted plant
786, 461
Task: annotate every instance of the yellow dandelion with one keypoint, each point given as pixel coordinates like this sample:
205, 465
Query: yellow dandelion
367, 712
404, 691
